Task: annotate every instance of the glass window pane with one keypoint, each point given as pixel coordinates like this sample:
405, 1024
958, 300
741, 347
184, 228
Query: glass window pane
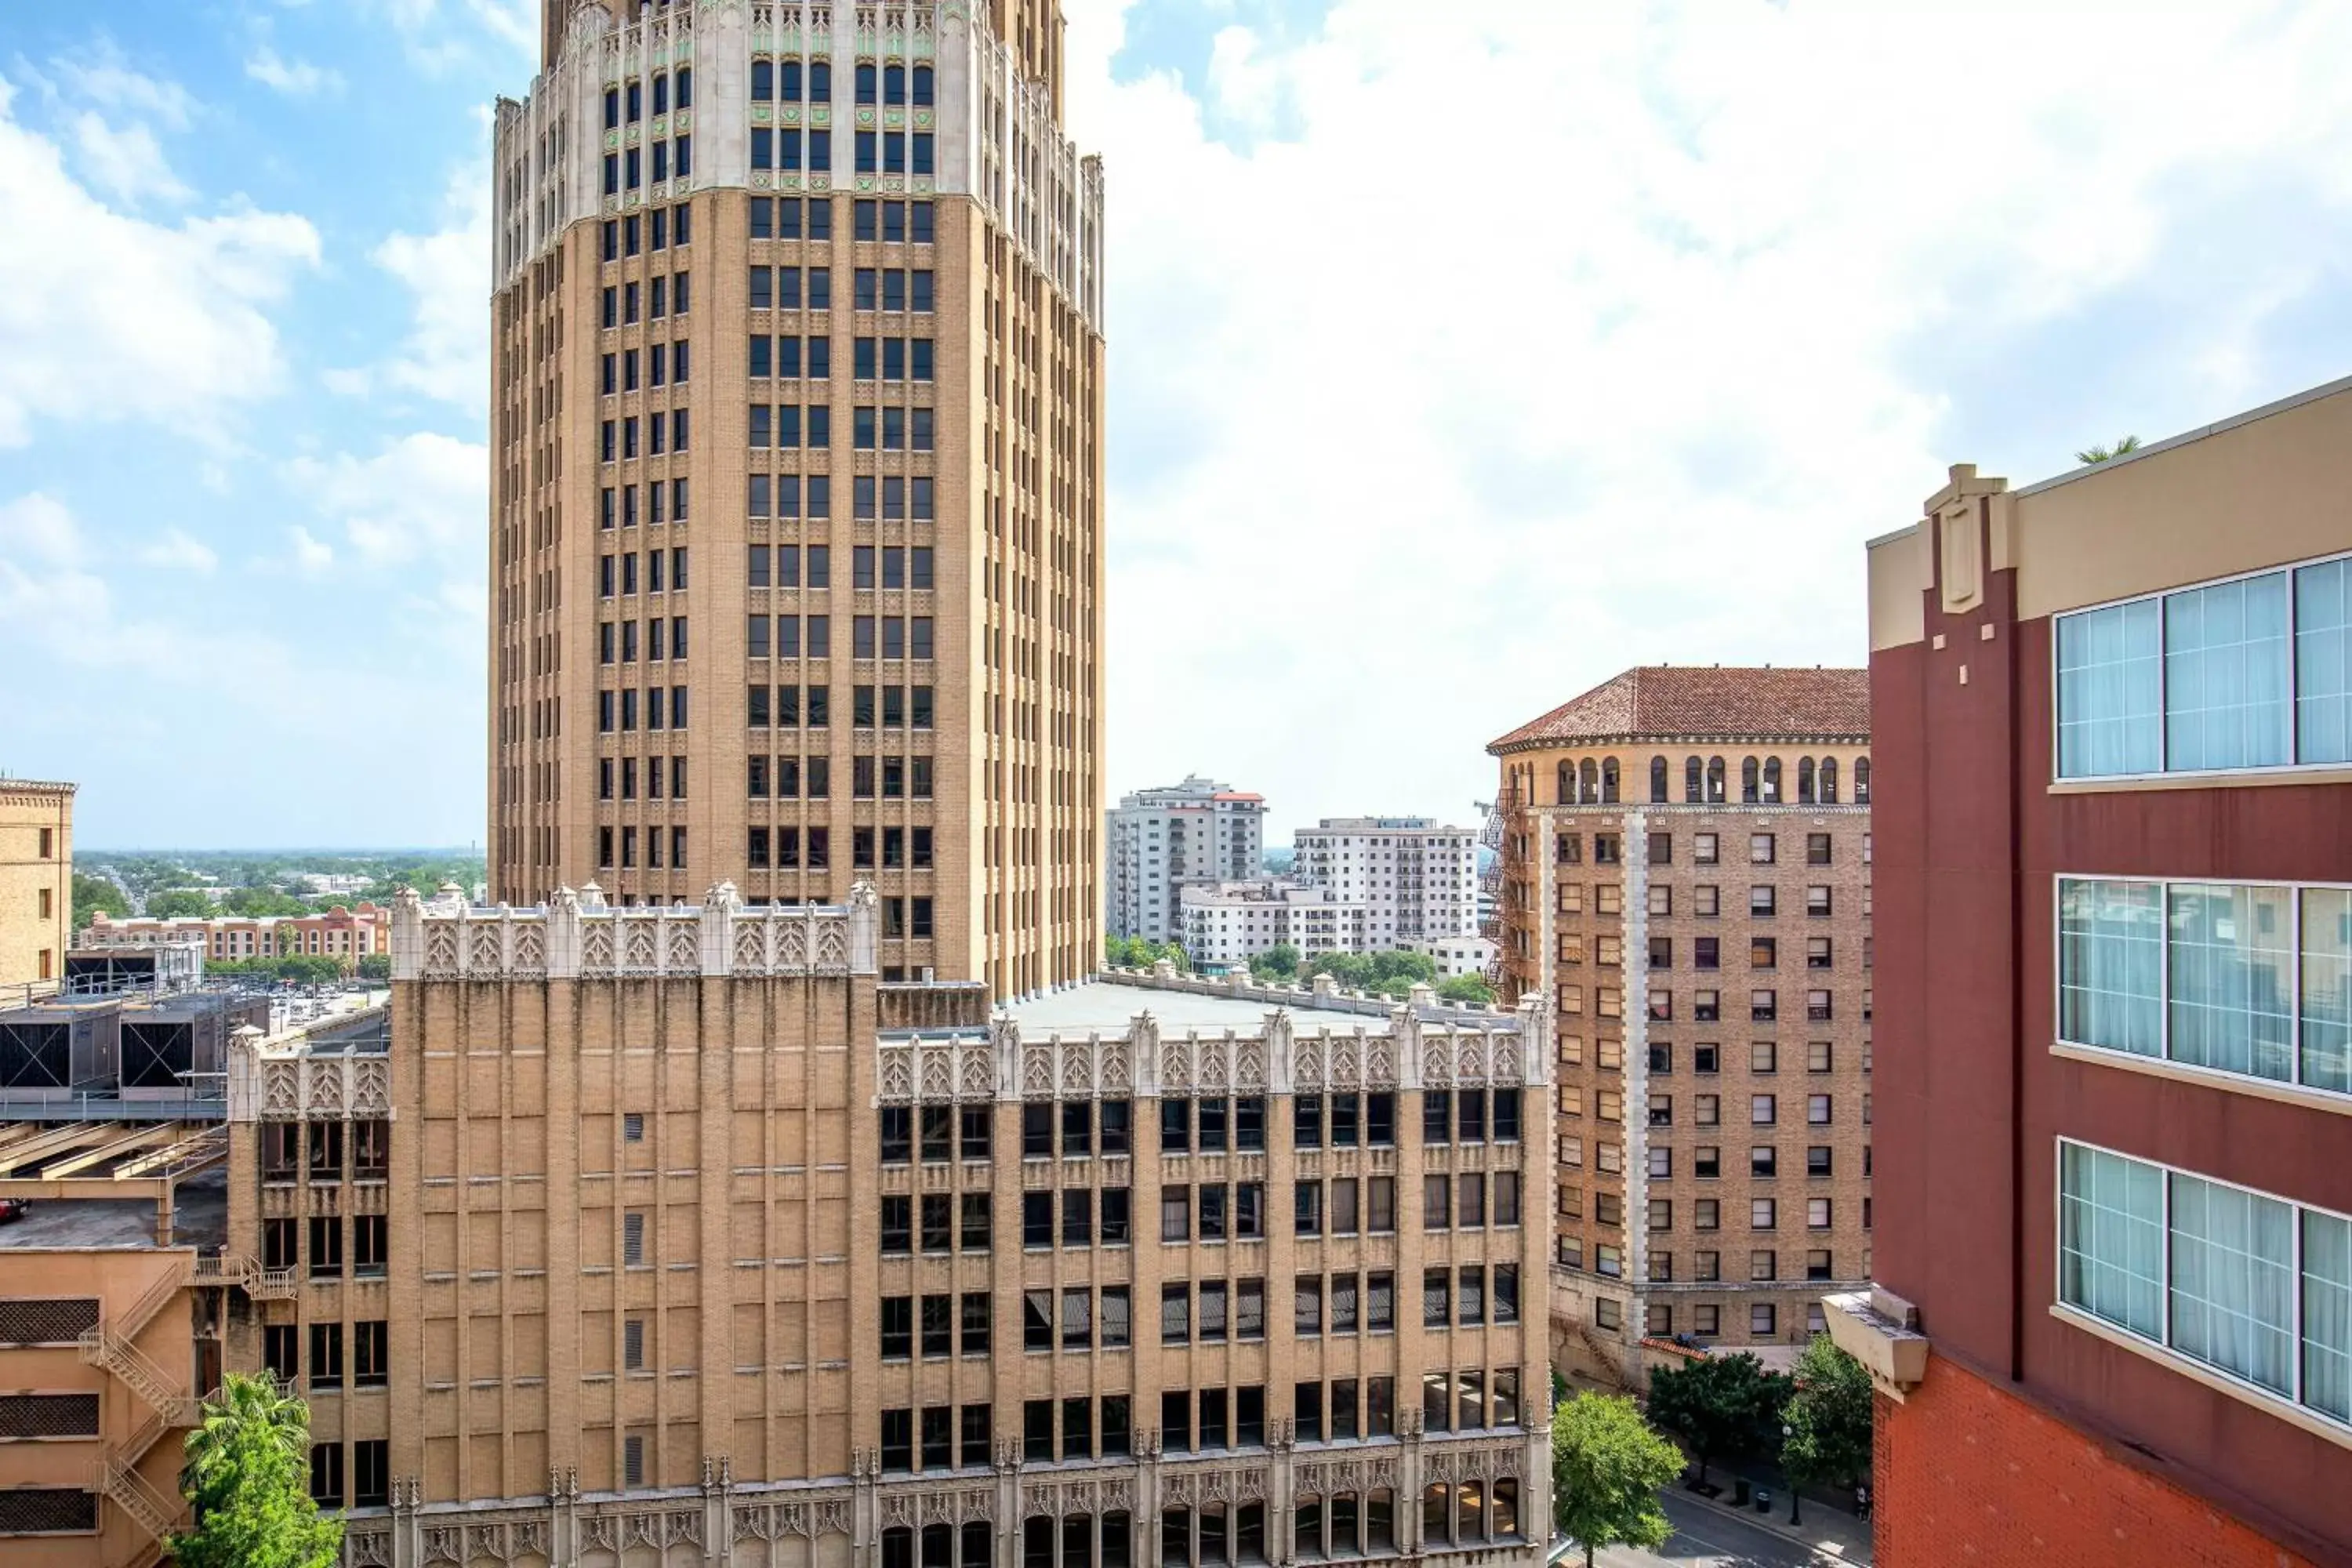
2327, 1314
2327, 989
2232, 965
2233, 1283
2225, 676
2322, 663
2110, 965
2108, 691
2111, 1237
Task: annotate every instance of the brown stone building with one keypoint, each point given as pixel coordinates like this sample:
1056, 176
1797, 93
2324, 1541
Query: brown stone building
2114, 1320
35, 881
797, 474
674, 1235
1685, 867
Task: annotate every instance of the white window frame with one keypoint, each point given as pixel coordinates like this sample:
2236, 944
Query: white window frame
2163, 1064
2290, 1407
2084, 781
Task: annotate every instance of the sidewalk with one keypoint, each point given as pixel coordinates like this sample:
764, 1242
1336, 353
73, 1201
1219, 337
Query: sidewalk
1830, 1529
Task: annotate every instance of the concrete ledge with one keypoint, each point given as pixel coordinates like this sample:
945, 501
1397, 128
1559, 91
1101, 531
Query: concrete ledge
1879, 1329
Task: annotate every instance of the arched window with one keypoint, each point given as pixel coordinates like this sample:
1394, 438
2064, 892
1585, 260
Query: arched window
1694, 785
1829, 781
1588, 781
1862, 781
1567, 784
1657, 781
1772, 781
1750, 790
1609, 781
1715, 780
1804, 781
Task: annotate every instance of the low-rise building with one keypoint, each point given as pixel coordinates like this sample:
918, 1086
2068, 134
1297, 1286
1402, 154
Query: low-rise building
36, 880
1457, 955
345, 934
1231, 922
1416, 879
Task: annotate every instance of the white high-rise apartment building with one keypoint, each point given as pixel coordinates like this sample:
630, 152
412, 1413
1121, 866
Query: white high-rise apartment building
1161, 840
1232, 923
1418, 879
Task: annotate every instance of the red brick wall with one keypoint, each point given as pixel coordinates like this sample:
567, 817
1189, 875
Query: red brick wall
1967, 1473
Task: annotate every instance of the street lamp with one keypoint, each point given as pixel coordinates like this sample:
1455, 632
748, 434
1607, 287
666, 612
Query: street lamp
1786, 1433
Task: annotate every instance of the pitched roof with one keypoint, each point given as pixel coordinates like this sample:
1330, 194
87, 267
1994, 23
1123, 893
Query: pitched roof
1707, 701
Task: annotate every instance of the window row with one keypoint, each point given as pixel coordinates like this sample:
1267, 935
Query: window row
949, 1325
369, 1256
889, 498
661, 782
2255, 1287
663, 364
1763, 953
1459, 1202
1074, 1222
893, 288
325, 1371
617, 641
655, 839
664, 503
664, 432
792, 148
1084, 1128
1596, 782
664, 708
620, 304
630, 168
665, 571
896, 152
1763, 1266
1706, 1006
2255, 672
1763, 1056
1707, 1319
317, 1148
1763, 1214
795, 217
950, 1222
938, 1438
1763, 1161
2251, 980
1348, 1408
1763, 1110
810, 636
369, 1474
1343, 1121
788, 426
667, 86
946, 1132
659, 228
1212, 1211
1337, 1304
1461, 1115
1458, 1297
791, 288
1216, 1311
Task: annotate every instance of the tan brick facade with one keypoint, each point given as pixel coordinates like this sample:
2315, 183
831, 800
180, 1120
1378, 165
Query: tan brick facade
35, 881
1708, 960
690, 1244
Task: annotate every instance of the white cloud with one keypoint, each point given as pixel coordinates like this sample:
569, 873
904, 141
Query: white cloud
445, 354
177, 549
109, 317
311, 556
294, 79
1626, 366
422, 498
54, 600
127, 163
101, 75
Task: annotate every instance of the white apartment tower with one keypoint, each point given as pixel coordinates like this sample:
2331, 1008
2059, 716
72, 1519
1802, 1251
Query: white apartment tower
1162, 839
1418, 879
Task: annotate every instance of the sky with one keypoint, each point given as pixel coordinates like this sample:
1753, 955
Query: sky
1460, 356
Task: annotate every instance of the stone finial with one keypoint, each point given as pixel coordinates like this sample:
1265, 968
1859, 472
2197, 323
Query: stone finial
865, 928
1421, 993
1324, 985
1163, 969
592, 897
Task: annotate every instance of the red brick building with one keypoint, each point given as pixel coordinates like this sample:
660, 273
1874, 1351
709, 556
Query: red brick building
2112, 719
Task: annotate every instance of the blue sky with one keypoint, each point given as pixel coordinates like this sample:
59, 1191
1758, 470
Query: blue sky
1457, 359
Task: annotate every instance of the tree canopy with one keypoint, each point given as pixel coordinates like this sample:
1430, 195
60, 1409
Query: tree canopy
2101, 454
1390, 973
1721, 1405
96, 895
1142, 953
1607, 1466
174, 902
263, 901
248, 1474
1279, 963
1828, 1417
1467, 988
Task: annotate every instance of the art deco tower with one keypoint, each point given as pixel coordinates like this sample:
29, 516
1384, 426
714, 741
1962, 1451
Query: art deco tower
797, 500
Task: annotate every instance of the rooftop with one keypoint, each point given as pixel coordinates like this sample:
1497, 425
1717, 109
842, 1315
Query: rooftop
1694, 702
1109, 1002
203, 1220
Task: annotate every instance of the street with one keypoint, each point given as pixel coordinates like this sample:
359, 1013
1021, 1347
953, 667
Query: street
1704, 1538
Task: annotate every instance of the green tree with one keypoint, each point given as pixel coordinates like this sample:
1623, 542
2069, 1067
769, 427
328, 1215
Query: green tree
263, 901
1827, 1418
375, 966
1279, 961
2101, 454
179, 901
93, 895
1721, 1405
248, 1474
1607, 1466
1467, 988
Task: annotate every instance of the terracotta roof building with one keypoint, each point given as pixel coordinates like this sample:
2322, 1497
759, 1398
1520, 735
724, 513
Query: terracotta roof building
1709, 701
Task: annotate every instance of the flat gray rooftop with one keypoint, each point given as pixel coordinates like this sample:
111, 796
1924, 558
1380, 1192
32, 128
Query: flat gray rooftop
203, 1220
1109, 1003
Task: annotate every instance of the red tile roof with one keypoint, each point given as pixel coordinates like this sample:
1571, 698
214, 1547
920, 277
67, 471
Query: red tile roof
1707, 702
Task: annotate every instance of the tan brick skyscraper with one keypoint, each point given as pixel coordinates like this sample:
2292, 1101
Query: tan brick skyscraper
1686, 878
796, 516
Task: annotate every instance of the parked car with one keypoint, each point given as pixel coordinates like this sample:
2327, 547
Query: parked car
13, 1209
